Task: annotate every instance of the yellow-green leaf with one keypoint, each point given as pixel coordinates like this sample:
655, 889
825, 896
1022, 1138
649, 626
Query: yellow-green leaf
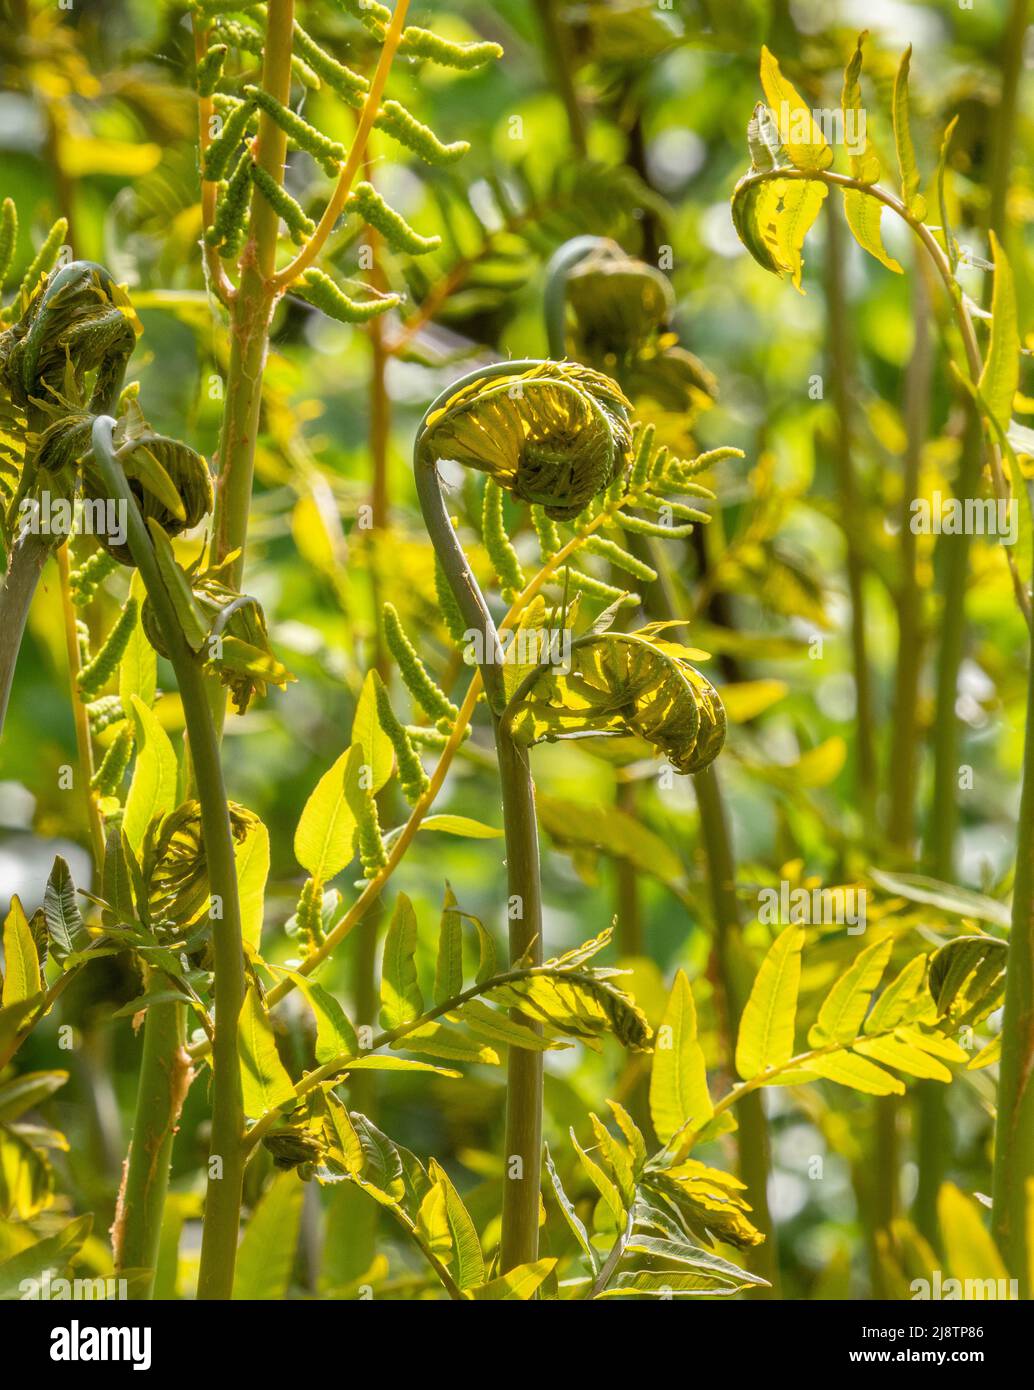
847, 1069
786, 210
895, 1002
1001, 374
326, 831
401, 999
518, 1284
767, 1026
907, 166
866, 165
264, 1080
267, 1251
801, 137
252, 862
378, 752
903, 1056
678, 1078
840, 1017
968, 1247
21, 961
152, 791
467, 1262
864, 214
461, 825
138, 669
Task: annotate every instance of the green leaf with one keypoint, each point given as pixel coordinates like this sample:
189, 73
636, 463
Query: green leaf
267, 1251
264, 1079
498, 1027
377, 1062
567, 1211
801, 137
22, 979
772, 218
602, 1182
766, 1033
25, 1092
968, 1247
192, 620
448, 973
378, 752
61, 911
519, 1283
138, 669
1001, 375
865, 166
335, 1036
957, 902
678, 1077
401, 1000
54, 1252
844, 1008
849, 1070
251, 856
864, 217
467, 1263
152, 792
461, 825
436, 1040
577, 827
898, 999
907, 166
903, 1056
326, 831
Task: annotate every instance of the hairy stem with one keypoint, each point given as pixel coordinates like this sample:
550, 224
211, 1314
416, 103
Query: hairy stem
222, 1206
165, 1076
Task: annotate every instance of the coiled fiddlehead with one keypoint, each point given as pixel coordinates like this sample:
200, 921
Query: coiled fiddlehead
624, 683
551, 433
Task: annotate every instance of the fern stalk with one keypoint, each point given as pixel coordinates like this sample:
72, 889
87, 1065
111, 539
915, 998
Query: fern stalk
84, 747
523, 1124
223, 1201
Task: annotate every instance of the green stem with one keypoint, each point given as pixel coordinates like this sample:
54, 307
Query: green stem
165, 1075
523, 1125
752, 1136
28, 556
1013, 1189
840, 367
222, 1206
558, 58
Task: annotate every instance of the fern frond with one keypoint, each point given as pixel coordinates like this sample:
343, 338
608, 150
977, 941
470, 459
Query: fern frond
348, 85
365, 202
85, 580
104, 712
421, 43
45, 258
328, 153
415, 676
401, 125
319, 290
8, 237
222, 149
96, 674
621, 559
108, 777
497, 542
414, 780
210, 69
293, 216
229, 226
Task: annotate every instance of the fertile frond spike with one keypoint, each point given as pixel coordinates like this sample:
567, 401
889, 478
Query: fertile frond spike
210, 69
372, 855
229, 226
249, 40
304, 136
108, 777
497, 542
596, 587
45, 258
688, 468
651, 503
428, 695
348, 85
224, 146
421, 43
609, 550
94, 677
447, 606
370, 13
642, 527
412, 776
367, 203
308, 915
642, 443
8, 237
104, 712
294, 217
85, 580
547, 532
323, 293
401, 125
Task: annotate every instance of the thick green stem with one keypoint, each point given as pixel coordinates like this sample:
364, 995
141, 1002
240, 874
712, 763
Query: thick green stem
752, 1135
523, 1125
841, 372
225, 1171
165, 1076
1013, 1190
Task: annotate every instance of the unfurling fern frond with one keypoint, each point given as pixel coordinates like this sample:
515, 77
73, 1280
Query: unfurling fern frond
624, 683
